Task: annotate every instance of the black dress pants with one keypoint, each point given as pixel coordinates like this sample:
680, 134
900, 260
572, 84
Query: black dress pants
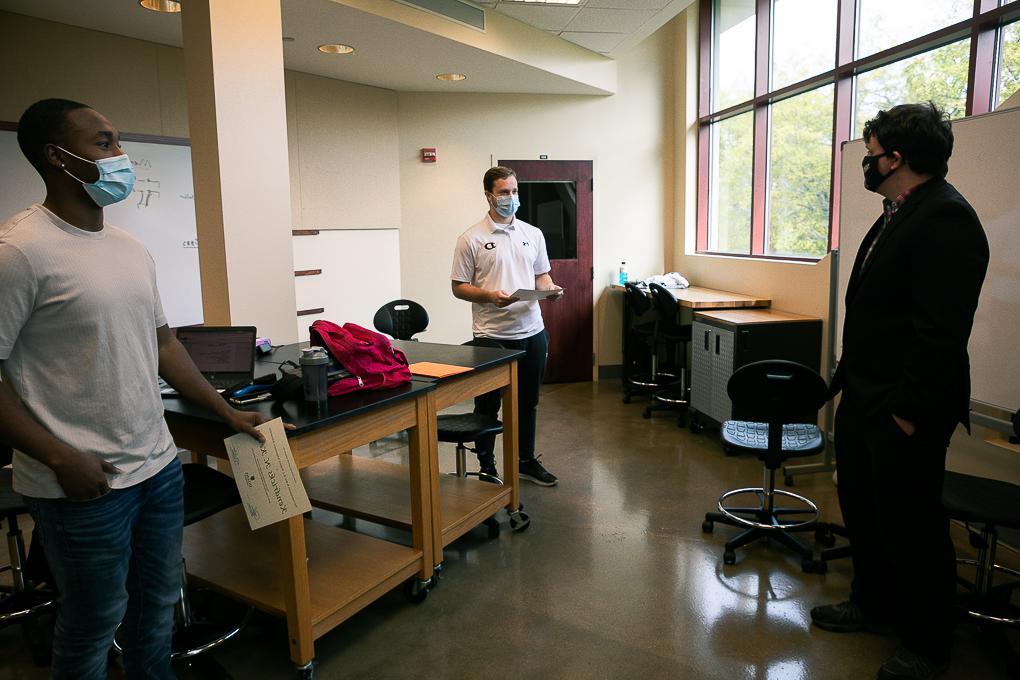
890, 493
530, 372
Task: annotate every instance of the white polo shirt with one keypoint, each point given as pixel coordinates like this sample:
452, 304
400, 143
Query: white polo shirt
503, 257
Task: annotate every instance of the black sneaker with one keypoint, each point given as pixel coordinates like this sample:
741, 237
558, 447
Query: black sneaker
848, 617
908, 665
487, 471
533, 471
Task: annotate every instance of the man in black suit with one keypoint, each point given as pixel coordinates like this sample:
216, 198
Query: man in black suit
905, 382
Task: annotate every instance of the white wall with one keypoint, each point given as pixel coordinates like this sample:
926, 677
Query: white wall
629, 136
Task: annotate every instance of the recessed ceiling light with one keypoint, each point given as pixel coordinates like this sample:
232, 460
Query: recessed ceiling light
549, 2
450, 76
161, 5
336, 48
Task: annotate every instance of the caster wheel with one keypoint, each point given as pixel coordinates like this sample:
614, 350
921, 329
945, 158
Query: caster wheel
788, 480
729, 557
519, 521
707, 526
304, 672
416, 590
437, 573
493, 526
520, 506
681, 422
695, 426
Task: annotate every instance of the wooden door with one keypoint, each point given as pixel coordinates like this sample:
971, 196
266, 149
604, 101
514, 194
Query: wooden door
556, 197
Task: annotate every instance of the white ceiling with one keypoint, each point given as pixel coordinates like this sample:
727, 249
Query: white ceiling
391, 54
605, 26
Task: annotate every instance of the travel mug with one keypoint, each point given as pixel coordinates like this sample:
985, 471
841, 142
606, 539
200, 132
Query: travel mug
314, 367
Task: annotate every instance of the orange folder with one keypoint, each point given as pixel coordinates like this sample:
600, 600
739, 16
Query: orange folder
434, 370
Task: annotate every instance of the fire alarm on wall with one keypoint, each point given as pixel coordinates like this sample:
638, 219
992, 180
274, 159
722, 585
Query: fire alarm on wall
428, 155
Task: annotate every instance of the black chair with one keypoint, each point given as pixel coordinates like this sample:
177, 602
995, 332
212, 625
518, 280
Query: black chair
641, 374
23, 601
460, 429
775, 395
200, 629
676, 337
985, 505
401, 319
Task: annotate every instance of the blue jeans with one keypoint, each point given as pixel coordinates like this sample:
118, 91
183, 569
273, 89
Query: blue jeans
116, 560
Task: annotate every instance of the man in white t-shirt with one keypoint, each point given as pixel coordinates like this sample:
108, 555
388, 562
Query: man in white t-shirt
83, 339
494, 258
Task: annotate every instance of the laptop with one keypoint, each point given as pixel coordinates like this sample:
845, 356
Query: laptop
224, 355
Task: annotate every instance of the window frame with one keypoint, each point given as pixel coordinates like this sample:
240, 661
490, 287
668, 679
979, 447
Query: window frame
981, 27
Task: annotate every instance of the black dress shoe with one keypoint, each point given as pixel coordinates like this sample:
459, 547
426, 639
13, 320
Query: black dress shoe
908, 665
848, 617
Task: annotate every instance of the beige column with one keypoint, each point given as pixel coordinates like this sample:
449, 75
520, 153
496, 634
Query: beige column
233, 60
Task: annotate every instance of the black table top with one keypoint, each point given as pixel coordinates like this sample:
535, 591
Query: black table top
457, 355
306, 417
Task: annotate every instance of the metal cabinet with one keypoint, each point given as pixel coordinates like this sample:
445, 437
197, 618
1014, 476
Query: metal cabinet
724, 340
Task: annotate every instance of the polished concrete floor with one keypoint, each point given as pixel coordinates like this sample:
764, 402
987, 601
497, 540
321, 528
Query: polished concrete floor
613, 579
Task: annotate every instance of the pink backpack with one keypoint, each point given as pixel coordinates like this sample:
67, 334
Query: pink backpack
368, 356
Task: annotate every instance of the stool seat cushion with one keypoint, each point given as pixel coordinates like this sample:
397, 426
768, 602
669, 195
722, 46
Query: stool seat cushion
206, 492
11, 503
466, 427
977, 499
799, 439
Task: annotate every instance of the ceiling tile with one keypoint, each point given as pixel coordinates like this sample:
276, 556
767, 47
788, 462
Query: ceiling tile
596, 42
546, 18
609, 20
627, 4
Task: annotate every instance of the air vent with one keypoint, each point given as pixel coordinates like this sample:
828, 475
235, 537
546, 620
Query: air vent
455, 10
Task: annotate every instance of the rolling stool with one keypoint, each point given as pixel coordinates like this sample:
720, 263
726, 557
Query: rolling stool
776, 392
461, 428
22, 601
206, 492
641, 329
990, 504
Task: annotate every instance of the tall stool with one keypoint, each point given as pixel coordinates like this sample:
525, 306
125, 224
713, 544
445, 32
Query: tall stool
987, 504
462, 428
776, 394
674, 396
22, 602
641, 346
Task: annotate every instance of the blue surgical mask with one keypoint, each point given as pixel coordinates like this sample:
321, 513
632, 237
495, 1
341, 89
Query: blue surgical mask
506, 206
116, 179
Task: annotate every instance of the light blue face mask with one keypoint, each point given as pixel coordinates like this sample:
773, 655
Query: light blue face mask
506, 206
116, 179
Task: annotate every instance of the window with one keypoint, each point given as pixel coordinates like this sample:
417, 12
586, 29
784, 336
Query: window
1009, 62
785, 82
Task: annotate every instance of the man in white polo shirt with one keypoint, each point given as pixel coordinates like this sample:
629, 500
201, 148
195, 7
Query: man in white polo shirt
495, 257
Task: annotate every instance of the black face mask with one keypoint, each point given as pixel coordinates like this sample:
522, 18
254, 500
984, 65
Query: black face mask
873, 177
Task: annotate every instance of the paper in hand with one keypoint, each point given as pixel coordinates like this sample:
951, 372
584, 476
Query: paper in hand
525, 294
266, 475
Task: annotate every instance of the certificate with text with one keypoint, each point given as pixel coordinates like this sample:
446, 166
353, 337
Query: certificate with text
271, 489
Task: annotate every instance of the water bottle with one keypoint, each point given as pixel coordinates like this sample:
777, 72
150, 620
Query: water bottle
623, 273
314, 367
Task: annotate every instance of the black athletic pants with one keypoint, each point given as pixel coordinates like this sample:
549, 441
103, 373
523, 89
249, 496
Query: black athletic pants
530, 371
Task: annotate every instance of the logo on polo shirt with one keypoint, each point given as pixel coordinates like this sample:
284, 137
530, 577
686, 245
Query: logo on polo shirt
524, 243
490, 245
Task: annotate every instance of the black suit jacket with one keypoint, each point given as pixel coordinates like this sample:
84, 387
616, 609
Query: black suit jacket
910, 309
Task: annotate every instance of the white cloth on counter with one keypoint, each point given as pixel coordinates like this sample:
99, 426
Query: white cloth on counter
670, 280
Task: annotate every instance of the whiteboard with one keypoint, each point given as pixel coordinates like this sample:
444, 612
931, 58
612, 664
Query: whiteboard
160, 213
983, 168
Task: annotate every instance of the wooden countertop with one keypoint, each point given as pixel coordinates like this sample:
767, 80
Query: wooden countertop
753, 316
696, 297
